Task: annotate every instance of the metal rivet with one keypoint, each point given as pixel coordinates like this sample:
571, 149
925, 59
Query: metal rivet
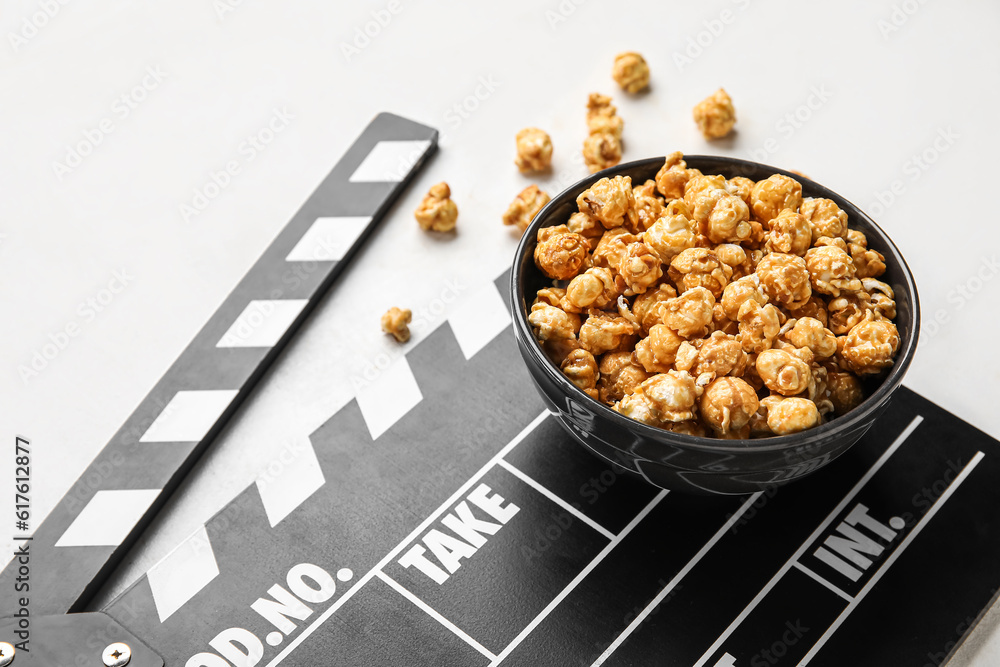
117, 655
6, 654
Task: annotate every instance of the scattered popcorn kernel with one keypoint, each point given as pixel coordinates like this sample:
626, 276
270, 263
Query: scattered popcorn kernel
611, 201
437, 212
870, 347
791, 415
783, 372
581, 369
773, 195
525, 207
601, 150
562, 256
620, 375
785, 279
671, 395
727, 404
810, 333
825, 218
715, 115
394, 322
631, 72
788, 232
534, 150
603, 117
831, 270
550, 322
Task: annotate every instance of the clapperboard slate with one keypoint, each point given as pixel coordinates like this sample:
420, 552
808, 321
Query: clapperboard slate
462, 526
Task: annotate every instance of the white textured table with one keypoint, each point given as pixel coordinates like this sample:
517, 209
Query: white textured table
118, 118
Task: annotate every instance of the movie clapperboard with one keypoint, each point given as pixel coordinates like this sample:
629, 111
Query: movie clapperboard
444, 518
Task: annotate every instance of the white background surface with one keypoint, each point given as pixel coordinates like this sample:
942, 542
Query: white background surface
886, 97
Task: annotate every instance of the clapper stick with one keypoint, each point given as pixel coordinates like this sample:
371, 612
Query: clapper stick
105, 511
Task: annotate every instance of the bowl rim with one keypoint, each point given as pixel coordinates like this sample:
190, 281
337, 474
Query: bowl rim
769, 444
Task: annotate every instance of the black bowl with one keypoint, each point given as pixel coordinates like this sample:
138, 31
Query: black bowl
688, 463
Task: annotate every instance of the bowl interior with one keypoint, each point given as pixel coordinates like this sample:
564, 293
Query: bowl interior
526, 280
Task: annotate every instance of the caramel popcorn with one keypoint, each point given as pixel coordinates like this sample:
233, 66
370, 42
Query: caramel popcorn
620, 375
825, 218
783, 372
773, 195
785, 279
611, 201
790, 415
603, 146
394, 322
581, 369
561, 256
715, 115
534, 150
673, 176
525, 207
631, 72
869, 347
711, 306
727, 404
437, 212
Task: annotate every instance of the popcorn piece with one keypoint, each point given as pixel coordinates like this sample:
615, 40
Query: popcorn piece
690, 313
825, 218
847, 311
773, 195
658, 351
611, 201
727, 404
647, 306
596, 287
870, 347
785, 279
699, 267
882, 298
639, 268
831, 270
783, 372
612, 247
550, 322
844, 390
534, 150
669, 236
557, 349
810, 333
601, 150
631, 72
738, 291
394, 322
741, 187
722, 217
791, 415
620, 375
603, 332
603, 117
671, 395
673, 176
758, 326
648, 204
585, 224
561, 256
721, 355
437, 212
525, 207
636, 406
581, 369
690, 427
868, 263
788, 232
715, 115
